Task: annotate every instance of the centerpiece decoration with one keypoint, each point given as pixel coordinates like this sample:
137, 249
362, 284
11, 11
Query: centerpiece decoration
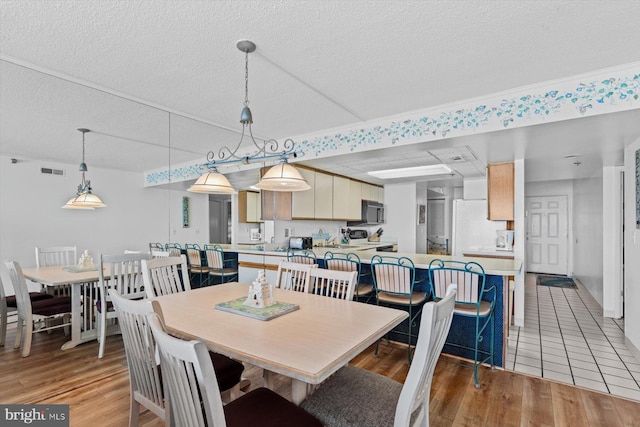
260, 293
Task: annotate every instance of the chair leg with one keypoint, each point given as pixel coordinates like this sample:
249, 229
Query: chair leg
475, 354
3, 327
134, 413
26, 349
19, 332
102, 330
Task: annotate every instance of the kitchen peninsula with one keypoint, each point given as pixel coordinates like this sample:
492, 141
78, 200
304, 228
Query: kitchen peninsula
252, 258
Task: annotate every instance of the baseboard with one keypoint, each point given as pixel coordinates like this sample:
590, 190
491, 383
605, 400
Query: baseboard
610, 313
633, 348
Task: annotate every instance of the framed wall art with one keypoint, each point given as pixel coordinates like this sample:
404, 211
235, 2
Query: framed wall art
422, 214
185, 212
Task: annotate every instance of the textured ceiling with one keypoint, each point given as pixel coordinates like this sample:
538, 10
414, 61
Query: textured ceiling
319, 65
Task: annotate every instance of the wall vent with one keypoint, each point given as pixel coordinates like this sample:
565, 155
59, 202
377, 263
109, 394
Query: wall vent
51, 171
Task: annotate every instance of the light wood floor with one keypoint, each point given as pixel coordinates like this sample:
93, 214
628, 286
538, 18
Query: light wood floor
98, 390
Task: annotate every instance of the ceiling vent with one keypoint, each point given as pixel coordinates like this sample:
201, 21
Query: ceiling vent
50, 171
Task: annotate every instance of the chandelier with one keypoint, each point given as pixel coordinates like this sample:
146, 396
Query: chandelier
84, 198
281, 177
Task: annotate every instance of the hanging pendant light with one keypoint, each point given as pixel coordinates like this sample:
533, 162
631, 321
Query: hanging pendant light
282, 177
84, 198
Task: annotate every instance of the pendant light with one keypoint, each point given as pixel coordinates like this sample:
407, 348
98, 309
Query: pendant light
84, 198
281, 177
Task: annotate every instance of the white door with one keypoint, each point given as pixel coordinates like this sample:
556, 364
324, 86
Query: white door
547, 234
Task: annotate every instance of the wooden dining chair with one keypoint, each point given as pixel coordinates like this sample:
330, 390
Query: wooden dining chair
194, 397
351, 262
293, 276
163, 276
36, 316
9, 306
360, 398
219, 269
166, 276
473, 300
394, 280
122, 272
332, 283
57, 256
145, 384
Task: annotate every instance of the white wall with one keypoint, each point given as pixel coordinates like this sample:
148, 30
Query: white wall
519, 242
421, 229
632, 250
31, 214
475, 189
401, 220
612, 241
587, 233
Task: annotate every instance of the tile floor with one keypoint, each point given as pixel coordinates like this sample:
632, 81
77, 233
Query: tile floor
565, 338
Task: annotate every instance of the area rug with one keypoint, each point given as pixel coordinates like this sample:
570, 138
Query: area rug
555, 281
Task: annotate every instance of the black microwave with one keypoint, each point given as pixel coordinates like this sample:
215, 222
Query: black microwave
372, 214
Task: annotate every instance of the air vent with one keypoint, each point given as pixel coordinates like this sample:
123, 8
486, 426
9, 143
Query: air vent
50, 171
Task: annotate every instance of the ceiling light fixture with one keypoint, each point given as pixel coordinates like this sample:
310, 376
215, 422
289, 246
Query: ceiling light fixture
84, 198
281, 177
440, 169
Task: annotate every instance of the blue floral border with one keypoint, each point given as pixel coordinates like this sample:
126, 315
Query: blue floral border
507, 112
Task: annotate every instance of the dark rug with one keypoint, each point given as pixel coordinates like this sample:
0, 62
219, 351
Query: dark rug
555, 281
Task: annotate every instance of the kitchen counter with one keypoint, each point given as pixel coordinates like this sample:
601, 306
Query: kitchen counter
499, 266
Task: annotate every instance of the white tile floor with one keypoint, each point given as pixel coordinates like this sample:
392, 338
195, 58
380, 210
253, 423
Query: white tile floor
565, 338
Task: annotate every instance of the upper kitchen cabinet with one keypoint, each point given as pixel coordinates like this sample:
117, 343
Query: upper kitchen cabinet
303, 202
323, 196
372, 192
249, 206
500, 191
355, 201
276, 205
341, 198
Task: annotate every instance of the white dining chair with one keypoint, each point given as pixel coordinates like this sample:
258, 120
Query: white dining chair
194, 397
145, 384
293, 276
333, 283
36, 316
163, 276
122, 272
57, 256
361, 398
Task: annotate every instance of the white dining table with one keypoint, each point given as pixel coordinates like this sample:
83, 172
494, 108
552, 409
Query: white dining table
83, 296
307, 345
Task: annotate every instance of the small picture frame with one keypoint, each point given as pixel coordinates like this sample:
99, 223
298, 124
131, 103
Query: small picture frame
185, 212
422, 214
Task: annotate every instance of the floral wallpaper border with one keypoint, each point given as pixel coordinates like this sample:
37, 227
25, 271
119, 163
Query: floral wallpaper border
584, 98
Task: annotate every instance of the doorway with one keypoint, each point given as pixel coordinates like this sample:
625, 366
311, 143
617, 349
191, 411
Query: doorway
219, 218
546, 236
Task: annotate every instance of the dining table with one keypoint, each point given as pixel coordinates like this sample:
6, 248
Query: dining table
84, 293
308, 344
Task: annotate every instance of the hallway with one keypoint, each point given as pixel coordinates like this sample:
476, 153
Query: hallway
566, 339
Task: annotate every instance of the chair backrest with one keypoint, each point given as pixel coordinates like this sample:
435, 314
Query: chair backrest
163, 276
468, 276
332, 283
159, 253
215, 256
140, 349
413, 404
123, 273
393, 275
16, 277
189, 378
56, 256
301, 256
156, 247
293, 276
129, 251
174, 249
193, 254
343, 262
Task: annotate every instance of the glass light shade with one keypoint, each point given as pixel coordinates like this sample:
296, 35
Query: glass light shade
70, 205
212, 182
283, 177
84, 201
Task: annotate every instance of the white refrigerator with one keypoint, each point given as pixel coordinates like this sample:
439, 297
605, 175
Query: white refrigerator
471, 230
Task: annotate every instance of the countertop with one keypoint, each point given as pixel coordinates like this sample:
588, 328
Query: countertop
493, 266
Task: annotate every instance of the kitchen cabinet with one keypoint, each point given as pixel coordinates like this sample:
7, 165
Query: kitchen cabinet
366, 191
341, 198
249, 207
355, 201
500, 191
323, 196
276, 205
303, 202
250, 264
